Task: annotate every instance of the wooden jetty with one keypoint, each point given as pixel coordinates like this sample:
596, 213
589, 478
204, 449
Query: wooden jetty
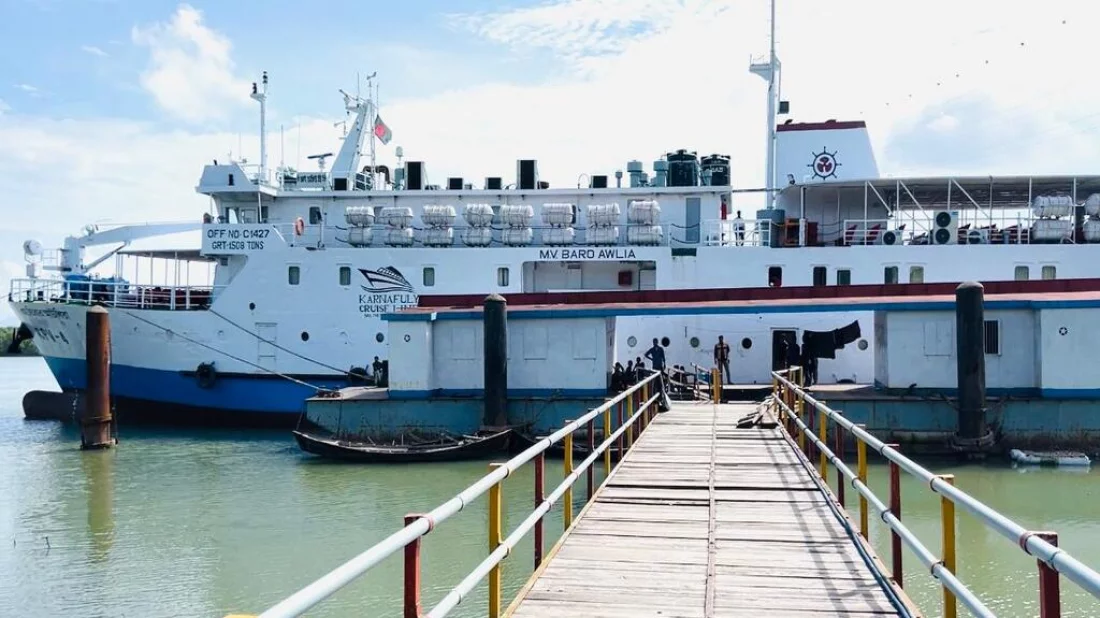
716, 510
702, 519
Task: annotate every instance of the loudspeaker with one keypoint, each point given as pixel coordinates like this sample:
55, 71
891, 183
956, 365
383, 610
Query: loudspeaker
527, 174
598, 182
454, 184
416, 176
493, 183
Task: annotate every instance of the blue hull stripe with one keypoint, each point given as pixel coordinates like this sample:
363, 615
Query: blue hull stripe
268, 394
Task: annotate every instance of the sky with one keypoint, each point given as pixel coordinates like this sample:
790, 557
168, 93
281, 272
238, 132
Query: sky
109, 108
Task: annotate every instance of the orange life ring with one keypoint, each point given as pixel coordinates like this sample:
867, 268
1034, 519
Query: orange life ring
299, 226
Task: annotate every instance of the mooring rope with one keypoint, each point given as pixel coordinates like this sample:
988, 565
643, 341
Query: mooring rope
343, 372
224, 353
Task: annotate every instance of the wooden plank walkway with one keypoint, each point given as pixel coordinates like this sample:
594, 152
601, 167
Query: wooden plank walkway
706, 520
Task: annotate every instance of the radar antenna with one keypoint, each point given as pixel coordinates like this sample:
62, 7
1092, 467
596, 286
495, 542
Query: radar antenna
320, 159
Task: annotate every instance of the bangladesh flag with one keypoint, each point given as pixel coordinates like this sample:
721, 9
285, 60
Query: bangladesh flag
381, 131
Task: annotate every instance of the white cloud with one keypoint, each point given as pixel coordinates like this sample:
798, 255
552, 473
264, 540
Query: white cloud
190, 73
93, 50
4, 107
29, 89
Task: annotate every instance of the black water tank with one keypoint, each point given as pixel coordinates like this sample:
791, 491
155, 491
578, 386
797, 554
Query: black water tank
716, 170
683, 169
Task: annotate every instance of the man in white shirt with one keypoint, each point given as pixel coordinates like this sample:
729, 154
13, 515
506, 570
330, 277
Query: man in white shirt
739, 229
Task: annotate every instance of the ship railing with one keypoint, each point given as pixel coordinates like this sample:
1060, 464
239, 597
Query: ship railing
810, 422
634, 409
114, 293
732, 233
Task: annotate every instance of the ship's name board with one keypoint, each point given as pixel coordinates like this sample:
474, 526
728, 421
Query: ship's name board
375, 305
236, 238
582, 253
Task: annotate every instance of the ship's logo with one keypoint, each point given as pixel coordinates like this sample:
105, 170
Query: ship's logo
824, 164
386, 279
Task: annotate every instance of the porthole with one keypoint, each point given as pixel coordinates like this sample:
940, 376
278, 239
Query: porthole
746, 343
305, 336
408, 338
665, 342
631, 341
221, 334
379, 337
862, 345
694, 342
251, 306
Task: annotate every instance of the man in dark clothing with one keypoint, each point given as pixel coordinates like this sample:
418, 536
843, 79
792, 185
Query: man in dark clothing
656, 356
794, 354
809, 363
722, 357
629, 374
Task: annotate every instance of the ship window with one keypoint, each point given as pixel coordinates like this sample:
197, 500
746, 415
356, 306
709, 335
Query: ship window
345, 275
890, 275
293, 275
916, 274
993, 337
1022, 273
1050, 272
314, 215
775, 276
502, 276
429, 276
843, 276
820, 274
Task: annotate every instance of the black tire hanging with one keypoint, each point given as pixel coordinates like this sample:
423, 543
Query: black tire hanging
206, 375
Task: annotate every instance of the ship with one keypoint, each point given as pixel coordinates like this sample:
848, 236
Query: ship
304, 264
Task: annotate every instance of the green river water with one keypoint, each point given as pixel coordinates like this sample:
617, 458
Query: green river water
189, 523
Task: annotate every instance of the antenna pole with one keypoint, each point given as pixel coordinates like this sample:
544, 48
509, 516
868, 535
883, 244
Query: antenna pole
261, 96
773, 88
372, 120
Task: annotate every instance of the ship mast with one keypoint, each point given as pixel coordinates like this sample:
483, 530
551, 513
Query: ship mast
261, 96
769, 70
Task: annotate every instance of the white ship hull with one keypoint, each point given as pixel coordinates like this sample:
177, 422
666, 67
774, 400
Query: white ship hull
321, 329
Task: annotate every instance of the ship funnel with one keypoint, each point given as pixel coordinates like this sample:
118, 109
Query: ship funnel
824, 152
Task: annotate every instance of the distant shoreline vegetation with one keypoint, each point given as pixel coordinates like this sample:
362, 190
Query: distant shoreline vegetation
27, 348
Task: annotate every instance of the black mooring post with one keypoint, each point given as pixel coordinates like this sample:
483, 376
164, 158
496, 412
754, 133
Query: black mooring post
496, 361
970, 345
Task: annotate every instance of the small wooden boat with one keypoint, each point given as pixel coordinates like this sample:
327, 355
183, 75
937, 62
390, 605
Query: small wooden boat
482, 444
